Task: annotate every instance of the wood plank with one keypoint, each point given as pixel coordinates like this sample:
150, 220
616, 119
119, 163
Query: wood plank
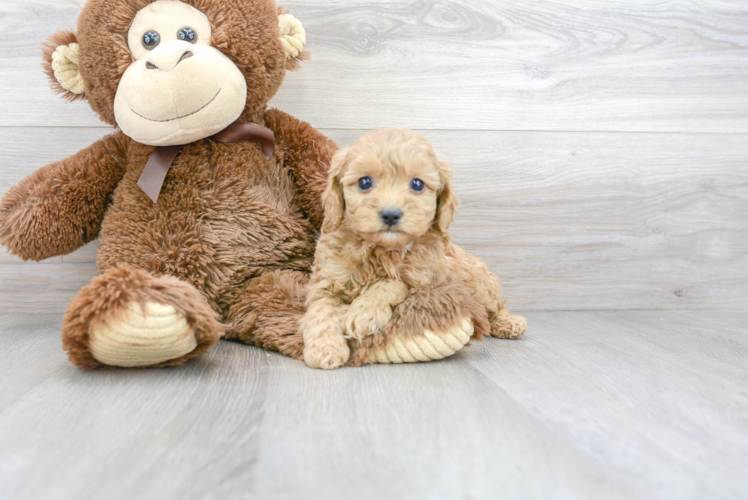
587, 405
108, 416
469, 64
42, 287
567, 220
7, 258
616, 383
430, 431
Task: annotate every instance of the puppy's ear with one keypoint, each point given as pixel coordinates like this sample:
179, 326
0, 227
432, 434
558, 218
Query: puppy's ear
61, 65
332, 198
446, 203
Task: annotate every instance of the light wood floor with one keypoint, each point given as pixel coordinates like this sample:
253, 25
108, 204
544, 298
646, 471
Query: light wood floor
589, 405
600, 150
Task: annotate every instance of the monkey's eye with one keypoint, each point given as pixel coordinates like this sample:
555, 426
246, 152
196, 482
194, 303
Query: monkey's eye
151, 39
365, 183
417, 185
187, 34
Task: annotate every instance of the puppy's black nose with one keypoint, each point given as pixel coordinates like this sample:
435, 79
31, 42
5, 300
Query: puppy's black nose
391, 216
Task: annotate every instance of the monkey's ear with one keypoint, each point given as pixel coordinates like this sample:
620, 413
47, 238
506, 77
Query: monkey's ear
332, 198
61, 65
293, 39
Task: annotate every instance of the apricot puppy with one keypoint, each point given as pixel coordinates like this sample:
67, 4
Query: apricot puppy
387, 278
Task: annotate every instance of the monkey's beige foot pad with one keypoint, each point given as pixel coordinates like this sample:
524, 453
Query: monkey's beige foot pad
429, 347
136, 337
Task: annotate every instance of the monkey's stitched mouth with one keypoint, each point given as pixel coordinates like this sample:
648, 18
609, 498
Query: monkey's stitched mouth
179, 117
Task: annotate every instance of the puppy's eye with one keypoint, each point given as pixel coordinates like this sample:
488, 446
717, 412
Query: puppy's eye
151, 39
365, 183
417, 185
187, 34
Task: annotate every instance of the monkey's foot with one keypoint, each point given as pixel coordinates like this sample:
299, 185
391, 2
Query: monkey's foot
129, 318
136, 337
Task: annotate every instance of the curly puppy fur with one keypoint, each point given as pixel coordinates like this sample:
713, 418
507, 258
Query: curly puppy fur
372, 280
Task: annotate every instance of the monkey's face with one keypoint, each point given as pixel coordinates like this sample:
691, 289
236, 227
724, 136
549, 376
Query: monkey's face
179, 88
171, 72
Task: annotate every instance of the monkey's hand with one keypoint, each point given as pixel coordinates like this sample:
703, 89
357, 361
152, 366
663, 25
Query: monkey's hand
60, 207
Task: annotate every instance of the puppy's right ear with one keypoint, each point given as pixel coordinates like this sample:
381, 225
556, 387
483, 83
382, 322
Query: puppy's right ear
332, 198
61, 65
446, 203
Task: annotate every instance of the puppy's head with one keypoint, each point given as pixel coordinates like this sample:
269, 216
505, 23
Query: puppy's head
390, 188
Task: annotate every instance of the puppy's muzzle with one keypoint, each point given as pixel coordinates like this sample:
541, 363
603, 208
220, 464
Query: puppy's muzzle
391, 216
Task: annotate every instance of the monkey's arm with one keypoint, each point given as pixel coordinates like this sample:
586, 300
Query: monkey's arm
308, 154
59, 208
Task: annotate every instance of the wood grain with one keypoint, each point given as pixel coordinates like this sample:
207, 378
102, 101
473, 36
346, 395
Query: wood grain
600, 150
588, 405
47, 287
617, 383
466, 65
567, 220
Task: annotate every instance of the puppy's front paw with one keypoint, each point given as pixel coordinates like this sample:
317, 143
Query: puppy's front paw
327, 353
365, 318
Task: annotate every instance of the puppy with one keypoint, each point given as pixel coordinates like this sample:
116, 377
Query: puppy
385, 265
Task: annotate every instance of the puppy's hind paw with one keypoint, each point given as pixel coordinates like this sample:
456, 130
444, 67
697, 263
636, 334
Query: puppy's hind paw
327, 353
506, 326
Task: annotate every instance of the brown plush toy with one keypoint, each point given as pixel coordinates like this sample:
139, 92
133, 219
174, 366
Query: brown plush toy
205, 202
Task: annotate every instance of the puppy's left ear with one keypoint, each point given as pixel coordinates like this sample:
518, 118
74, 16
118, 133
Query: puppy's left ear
332, 198
293, 39
447, 201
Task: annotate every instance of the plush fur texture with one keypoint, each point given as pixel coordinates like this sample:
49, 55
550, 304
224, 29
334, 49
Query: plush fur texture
60, 207
371, 281
266, 312
232, 235
48, 48
117, 287
246, 31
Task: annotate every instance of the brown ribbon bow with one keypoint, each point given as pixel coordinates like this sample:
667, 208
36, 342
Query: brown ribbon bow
152, 179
